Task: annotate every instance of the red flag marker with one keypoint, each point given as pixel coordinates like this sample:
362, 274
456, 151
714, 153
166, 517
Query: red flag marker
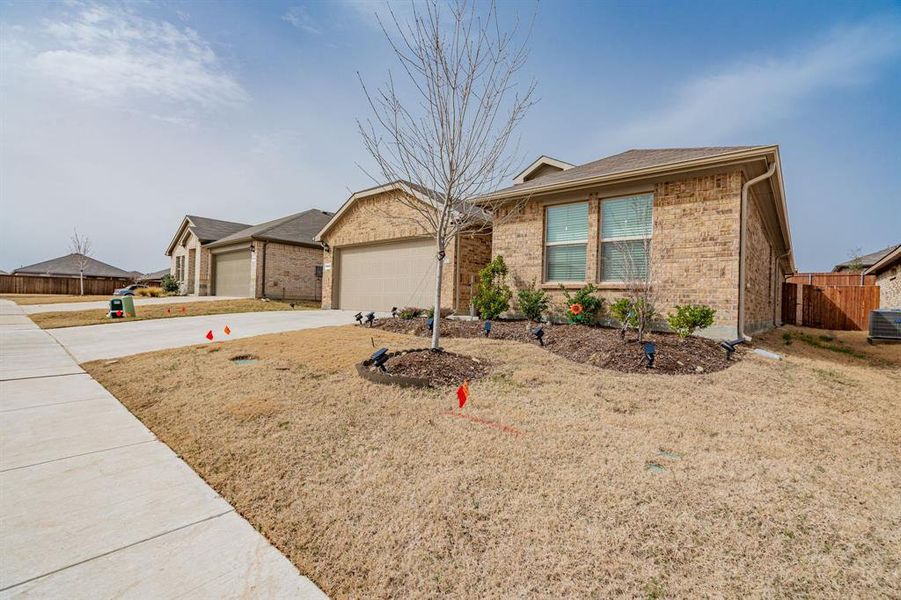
209, 335
463, 392
182, 309
168, 311
227, 330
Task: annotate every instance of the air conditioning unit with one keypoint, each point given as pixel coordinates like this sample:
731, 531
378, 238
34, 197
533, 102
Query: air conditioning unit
885, 324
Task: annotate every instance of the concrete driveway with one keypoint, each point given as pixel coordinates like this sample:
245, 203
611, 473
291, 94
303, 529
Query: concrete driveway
92, 505
139, 301
94, 342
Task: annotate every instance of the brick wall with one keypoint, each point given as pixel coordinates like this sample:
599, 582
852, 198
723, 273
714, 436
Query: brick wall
694, 248
204, 272
889, 282
290, 271
759, 297
186, 249
475, 253
376, 219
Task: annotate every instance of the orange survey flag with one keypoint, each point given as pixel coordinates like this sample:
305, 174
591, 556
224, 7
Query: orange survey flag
227, 330
463, 392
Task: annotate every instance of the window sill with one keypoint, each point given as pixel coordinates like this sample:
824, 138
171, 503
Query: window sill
567, 285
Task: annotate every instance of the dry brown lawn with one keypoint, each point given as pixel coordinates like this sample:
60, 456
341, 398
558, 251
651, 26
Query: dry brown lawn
50, 320
765, 479
28, 299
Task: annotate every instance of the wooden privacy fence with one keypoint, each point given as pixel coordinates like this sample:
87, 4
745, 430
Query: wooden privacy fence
45, 284
841, 307
832, 279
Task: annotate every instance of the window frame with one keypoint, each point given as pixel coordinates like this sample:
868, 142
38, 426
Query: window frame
545, 275
628, 238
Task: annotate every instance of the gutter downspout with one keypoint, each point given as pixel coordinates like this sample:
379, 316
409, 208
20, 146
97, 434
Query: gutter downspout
745, 189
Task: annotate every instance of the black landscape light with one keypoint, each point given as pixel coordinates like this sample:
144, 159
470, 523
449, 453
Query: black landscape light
487, 328
359, 318
729, 346
538, 333
430, 323
394, 311
370, 317
650, 352
379, 358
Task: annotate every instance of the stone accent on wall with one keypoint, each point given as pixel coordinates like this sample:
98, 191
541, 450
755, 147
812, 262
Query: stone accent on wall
760, 271
288, 271
383, 218
475, 253
186, 247
889, 282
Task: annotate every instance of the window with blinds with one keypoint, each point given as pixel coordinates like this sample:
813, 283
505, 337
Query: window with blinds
565, 242
626, 228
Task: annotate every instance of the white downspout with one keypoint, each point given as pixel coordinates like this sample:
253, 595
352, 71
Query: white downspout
745, 189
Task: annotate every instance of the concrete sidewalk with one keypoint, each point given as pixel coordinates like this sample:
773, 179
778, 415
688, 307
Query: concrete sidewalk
31, 309
94, 342
92, 505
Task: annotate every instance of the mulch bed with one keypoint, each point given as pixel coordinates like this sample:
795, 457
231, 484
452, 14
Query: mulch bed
440, 368
599, 346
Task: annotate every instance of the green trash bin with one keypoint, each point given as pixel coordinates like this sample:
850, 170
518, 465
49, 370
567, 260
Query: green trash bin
121, 307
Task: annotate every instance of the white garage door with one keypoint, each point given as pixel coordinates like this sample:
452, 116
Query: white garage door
380, 276
231, 274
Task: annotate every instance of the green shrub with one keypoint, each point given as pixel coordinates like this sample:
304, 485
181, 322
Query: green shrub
169, 284
583, 306
151, 292
622, 312
445, 312
492, 295
532, 302
690, 317
409, 312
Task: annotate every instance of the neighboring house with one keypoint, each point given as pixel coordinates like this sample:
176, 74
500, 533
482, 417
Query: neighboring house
888, 277
190, 260
70, 266
154, 279
571, 225
276, 259
377, 256
864, 262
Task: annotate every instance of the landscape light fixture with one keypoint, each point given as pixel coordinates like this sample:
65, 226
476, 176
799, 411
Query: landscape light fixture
729, 346
394, 311
359, 318
379, 358
487, 328
650, 352
370, 317
538, 332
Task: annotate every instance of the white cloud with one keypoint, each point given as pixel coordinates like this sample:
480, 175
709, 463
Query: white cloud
300, 17
742, 96
108, 55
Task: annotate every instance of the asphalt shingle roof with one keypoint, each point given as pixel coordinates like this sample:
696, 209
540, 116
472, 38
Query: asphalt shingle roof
298, 228
210, 230
69, 266
867, 260
630, 160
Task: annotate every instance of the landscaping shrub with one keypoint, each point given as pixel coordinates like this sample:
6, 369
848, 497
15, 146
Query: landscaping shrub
636, 314
492, 295
152, 292
583, 306
690, 317
409, 312
445, 312
532, 302
169, 284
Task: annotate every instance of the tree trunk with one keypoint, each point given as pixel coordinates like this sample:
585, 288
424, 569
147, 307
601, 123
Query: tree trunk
81, 281
436, 315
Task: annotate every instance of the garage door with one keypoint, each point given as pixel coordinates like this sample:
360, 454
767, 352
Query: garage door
380, 276
231, 274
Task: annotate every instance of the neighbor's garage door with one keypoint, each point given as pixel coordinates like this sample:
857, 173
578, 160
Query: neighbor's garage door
231, 274
381, 276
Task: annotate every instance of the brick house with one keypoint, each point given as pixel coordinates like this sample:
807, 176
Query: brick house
888, 277
377, 256
704, 225
276, 259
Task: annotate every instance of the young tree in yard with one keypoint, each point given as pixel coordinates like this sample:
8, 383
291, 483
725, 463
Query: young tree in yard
632, 257
447, 130
81, 247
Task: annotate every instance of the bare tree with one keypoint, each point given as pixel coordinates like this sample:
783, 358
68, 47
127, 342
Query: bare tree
637, 271
447, 132
81, 247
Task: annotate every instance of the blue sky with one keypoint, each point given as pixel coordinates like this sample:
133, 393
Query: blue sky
119, 118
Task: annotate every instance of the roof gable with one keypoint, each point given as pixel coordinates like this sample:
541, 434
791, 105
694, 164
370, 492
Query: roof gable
867, 260
541, 166
299, 228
